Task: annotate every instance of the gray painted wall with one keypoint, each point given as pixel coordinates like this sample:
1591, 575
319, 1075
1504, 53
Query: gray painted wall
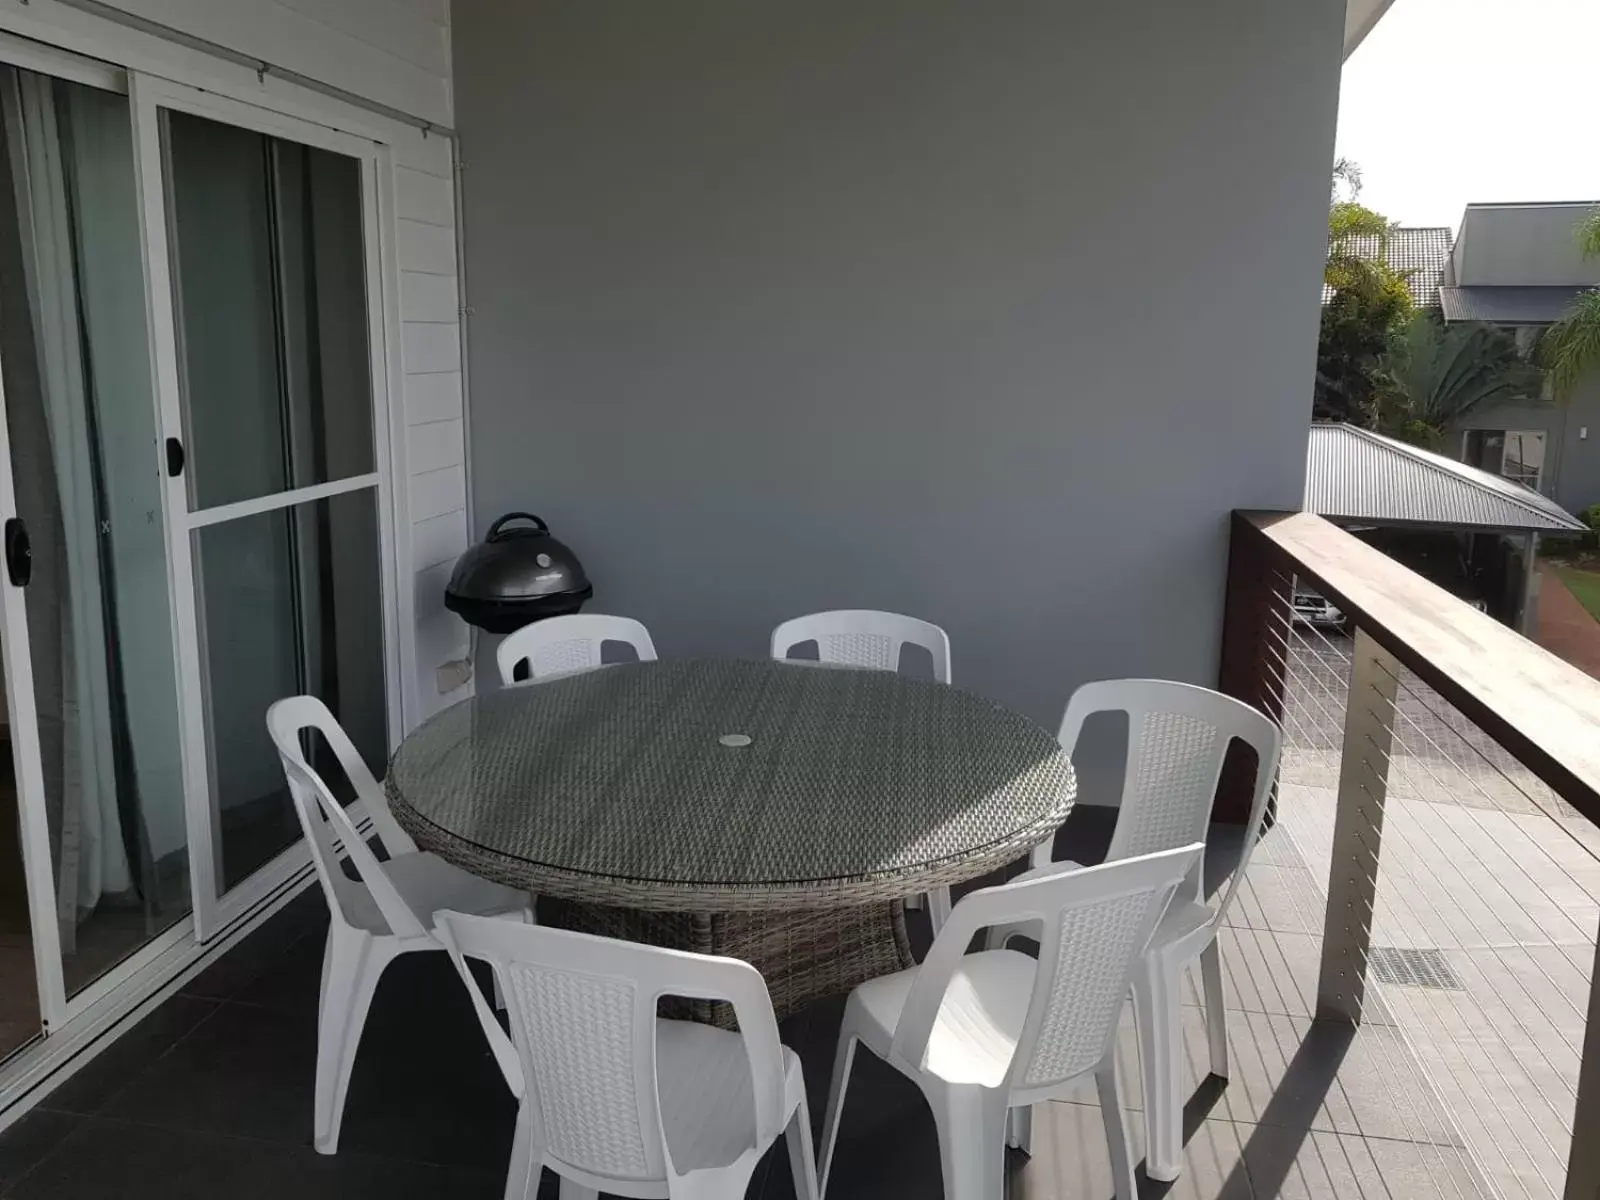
1572, 442
1522, 245
989, 314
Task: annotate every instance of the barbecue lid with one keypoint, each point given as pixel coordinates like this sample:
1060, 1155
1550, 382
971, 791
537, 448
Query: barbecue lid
522, 562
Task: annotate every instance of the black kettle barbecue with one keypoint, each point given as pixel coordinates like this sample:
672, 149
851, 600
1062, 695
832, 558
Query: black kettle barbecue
516, 575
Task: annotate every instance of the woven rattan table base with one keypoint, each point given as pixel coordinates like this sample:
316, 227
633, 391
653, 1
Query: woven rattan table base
805, 954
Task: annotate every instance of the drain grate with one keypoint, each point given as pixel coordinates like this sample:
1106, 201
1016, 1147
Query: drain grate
1413, 968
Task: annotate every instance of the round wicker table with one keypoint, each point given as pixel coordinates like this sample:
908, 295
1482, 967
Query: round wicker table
776, 812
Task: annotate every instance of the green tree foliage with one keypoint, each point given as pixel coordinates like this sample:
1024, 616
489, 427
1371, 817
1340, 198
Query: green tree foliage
1433, 374
1571, 349
1370, 302
1589, 234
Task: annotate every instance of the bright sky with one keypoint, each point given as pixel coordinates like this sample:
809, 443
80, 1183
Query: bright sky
1451, 101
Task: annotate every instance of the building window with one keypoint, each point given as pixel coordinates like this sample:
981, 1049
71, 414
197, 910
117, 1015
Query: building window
1516, 454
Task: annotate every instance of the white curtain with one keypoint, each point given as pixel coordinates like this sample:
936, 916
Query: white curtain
90, 857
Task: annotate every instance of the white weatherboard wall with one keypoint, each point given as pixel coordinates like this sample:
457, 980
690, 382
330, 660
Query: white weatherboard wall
435, 441
393, 54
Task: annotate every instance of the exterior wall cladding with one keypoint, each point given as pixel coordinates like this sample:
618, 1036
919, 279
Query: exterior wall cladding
988, 315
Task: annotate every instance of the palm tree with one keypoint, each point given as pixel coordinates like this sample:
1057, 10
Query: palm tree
1434, 374
1572, 347
1367, 301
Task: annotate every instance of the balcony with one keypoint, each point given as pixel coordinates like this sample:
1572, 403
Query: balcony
1407, 974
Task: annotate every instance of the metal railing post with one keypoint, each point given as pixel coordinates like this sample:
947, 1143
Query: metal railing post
1357, 832
1583, 1166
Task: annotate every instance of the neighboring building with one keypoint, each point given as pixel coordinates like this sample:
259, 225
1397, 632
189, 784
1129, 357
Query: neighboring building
1420, 252
1519, 266
1468, 530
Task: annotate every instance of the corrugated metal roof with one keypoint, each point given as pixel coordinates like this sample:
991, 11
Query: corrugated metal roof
1421, 252
1354, 474
1508, 305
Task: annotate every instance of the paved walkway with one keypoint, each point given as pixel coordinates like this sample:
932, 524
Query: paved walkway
1565, 627
1488, 902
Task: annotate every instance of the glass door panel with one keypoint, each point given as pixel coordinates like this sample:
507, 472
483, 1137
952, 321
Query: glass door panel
290, 602
266, 242
81, 427
271, 285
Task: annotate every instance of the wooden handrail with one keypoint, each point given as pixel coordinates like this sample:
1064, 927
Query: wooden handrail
1543, 710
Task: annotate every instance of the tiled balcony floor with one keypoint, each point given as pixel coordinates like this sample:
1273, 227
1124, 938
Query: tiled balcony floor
210, 1096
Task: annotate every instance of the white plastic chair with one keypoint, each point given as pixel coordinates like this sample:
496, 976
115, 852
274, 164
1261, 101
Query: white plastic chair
374, 918
979, 1033
615, 1099
859, 637
570, 643
863, 638
1178, 736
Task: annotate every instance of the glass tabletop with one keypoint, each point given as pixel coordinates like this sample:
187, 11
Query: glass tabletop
715, 777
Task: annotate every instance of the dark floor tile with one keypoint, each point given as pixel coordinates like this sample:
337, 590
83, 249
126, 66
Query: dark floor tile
247, 1072
140, 1162
262, 952
303, 1174
116, 1067
425, 1087
294, 981
885, 1153
29, 1139
886, 1135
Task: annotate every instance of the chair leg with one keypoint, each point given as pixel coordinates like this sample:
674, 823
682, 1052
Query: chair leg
938, 908
843, 1058
1019, 1129
802, 1160
352, 964
1216, 1007
972, 1141
1158, 1017
1108, 1081
527, 1164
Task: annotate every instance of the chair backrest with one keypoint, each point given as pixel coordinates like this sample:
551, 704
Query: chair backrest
328, 827
581, 1054
569, 643
1178, 737
863, 638
1095, 922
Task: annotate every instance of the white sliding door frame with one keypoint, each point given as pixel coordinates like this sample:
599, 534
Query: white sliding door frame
56, 1008
28, 766
215, 910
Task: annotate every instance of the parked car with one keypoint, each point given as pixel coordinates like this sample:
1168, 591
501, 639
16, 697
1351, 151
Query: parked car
1313, 608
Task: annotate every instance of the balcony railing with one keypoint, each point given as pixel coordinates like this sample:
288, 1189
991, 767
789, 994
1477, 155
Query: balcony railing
1445, 772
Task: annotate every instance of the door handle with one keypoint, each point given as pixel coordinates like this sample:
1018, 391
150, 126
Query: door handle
174, 457
19, 552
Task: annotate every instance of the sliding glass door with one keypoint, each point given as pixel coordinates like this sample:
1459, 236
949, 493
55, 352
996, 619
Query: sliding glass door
194, 510
263, 265
96, 778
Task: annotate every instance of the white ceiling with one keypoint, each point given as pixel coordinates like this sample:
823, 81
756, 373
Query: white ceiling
1359, 18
